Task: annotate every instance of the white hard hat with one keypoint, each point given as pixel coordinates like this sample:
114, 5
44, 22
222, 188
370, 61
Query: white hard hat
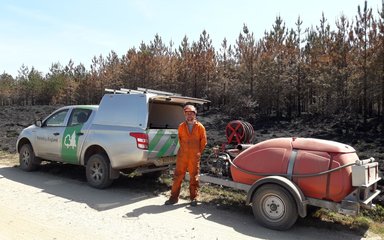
190, 108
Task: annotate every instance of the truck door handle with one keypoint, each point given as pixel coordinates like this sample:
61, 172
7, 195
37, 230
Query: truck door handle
56, 134
79, 134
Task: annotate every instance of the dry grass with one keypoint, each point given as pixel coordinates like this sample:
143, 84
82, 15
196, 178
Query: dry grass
9, 159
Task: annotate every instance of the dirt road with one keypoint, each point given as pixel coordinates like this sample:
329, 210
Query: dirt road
40, 205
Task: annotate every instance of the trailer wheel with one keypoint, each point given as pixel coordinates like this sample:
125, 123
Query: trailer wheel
27, 159
274, 207
97, 171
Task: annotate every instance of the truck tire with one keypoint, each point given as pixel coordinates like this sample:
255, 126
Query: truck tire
27, 159
274, 207
97, 171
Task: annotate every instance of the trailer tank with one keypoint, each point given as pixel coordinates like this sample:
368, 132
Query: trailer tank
320, 168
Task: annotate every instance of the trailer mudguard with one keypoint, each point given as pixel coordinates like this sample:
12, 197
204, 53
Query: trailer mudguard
293, 189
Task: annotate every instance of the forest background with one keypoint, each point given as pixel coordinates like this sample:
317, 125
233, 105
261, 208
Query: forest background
325, 82
284, 75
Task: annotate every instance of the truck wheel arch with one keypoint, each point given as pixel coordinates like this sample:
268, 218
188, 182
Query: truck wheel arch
291, 187
21, 142
95, 149
91, 150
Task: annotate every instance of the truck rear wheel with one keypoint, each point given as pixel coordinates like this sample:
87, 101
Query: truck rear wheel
27, 159
97, 171
274, 207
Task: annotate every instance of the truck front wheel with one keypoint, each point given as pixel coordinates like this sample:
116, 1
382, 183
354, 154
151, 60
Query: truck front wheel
27, 159
274, 207
97, 171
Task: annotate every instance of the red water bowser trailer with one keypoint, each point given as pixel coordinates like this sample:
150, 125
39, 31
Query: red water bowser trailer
283, 176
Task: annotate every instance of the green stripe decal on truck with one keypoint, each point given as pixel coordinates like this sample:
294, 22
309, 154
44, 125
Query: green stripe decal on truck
162, 143
172, 141
155, 140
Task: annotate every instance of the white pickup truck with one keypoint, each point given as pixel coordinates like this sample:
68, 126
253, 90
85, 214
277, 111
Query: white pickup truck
130, 130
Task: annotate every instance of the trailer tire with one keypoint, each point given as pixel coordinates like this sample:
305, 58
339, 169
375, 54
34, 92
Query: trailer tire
97, 171
274, 207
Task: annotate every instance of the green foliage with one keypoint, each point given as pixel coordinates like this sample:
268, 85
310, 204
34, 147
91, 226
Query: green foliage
376, 214
360, 224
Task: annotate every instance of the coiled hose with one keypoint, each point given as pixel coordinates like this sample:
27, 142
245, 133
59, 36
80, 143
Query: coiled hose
238, 132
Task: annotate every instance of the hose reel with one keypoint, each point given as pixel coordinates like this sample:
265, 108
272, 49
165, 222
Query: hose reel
239, 132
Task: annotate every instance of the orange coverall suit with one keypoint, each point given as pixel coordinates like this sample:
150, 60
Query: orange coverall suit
192, 145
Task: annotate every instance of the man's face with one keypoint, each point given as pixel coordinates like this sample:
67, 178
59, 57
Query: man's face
189, 115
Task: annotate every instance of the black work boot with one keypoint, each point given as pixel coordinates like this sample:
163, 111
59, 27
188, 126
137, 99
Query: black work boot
171, 201
194, 203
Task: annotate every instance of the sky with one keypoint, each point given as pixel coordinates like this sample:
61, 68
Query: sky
38, 33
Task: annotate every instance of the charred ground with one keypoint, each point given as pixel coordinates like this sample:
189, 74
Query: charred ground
367, 139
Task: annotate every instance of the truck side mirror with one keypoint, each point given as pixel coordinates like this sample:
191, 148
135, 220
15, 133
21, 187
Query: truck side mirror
38, 123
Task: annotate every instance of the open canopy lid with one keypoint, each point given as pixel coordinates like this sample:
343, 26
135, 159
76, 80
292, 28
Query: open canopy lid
180, 99
161, 96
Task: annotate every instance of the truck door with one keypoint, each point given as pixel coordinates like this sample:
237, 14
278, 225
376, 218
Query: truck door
73, 137
49, 136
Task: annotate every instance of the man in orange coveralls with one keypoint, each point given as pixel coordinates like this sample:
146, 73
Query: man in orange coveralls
192, 139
